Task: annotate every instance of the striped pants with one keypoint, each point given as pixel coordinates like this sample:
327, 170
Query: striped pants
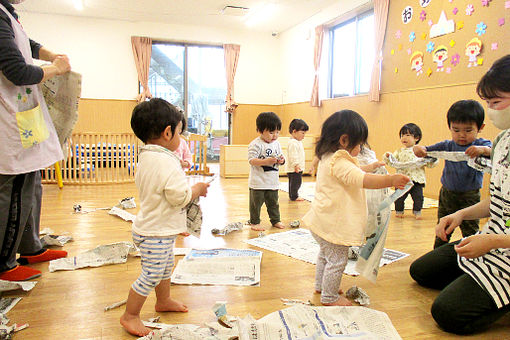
157, 261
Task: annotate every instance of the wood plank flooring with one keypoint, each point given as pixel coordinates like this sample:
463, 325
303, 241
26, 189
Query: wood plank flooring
70, 304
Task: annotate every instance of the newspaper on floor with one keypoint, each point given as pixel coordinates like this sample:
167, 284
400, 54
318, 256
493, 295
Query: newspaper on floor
126, 216
6, 332
194, 217
55, 240
300, 244
46, 231
7, 303
359, 295
15, 285
101, 255
62, 94
479, 163
234, 226
370, 254
299, 322
240, 267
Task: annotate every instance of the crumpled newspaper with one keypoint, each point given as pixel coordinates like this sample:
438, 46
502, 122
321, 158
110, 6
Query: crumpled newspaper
55, 240
290, 302
359, 295
294, 224
418, 163
6, 332
15, 285
234, 226
353, 253
127, 203
479, 163
194, 217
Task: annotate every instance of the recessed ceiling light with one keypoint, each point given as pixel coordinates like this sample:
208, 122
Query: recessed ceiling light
78, 4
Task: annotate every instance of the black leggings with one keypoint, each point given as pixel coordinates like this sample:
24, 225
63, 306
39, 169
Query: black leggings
462, 306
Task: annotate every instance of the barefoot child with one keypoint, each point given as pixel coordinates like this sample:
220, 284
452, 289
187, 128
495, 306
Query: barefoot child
164, 192
338, 215
296, 157
265, 156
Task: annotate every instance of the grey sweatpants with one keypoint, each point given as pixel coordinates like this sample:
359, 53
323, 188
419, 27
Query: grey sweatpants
331, 263
20, 211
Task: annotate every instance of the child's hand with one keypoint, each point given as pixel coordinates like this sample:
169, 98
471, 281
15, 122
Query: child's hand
475, 151
199, 189
184, 164
271, 160
474, 246
297, 169
399, 181
420, 151
376, 164
281, 159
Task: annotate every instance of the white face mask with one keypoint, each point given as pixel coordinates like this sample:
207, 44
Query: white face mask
500, 118
15, 2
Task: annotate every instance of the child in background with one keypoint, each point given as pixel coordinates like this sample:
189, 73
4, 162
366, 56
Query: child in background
182, 150
296, 157
164, 193
410, 135
460, 183
338, 214
265, 156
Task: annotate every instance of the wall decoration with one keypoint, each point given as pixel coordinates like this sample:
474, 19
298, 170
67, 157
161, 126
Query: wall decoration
480, 61
429, 72
485, 3
473, 48
494, 46
455, 59
470, 9
398, 34
501, 21
423, 36
455, 11
430, 23
409, 51
417, 62
452, 43
412, 36
440, 56
396, 69
399, 47
507, 4
448, 70
430, 47
407, 14
392, 51
480, 28
443, 26
423, 15
460, 25
425, 3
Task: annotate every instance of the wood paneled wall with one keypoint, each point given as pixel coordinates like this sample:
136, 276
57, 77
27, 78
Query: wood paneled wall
104, 115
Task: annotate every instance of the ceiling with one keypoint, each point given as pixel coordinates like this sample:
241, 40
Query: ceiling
287, 13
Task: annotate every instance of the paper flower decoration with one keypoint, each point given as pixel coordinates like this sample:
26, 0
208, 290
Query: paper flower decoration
448, 70
507, 4
455, 11
430, 23
399, 47
430, 47
423, 15
412, 36
470, 9
485, 2
398, 34
460, 25
501, 21
494, 46
392, 51
455, 59
480, 28
452, 43
409, 51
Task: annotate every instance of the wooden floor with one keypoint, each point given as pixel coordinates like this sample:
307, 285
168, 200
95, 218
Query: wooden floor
69, 304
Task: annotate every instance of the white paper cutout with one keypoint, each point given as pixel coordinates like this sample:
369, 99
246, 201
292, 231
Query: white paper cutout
443, 26
407, 14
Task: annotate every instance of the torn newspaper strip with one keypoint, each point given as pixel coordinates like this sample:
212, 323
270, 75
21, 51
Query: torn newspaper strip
479, 163
101, 255
126, 216
417, 164
240, 267
62, 94
15, 285
55, 240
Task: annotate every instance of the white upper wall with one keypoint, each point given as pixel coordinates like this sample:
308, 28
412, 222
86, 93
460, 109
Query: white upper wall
101, 51
271, 70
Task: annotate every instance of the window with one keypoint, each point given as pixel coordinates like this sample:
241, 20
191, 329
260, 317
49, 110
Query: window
351, 56
193, 78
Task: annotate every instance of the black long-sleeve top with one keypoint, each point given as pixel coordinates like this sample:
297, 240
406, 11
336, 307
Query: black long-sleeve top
12, 63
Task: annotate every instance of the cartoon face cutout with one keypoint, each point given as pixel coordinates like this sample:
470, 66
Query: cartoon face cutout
440, 55
417, 61
473, 48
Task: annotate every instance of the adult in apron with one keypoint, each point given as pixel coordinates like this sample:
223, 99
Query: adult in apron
28, 143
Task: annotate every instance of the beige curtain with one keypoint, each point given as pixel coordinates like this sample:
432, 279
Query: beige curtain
231, 59
319, 37
380, 19
142, 49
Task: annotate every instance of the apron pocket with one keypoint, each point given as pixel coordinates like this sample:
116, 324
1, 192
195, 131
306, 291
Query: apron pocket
32, 127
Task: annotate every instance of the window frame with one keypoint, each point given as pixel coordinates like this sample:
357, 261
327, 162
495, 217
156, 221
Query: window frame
355, 18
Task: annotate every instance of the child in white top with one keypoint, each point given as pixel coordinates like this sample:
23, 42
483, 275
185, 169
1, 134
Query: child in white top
296, 157
182, 150
410, 135
265, 156
338, 214
164, 192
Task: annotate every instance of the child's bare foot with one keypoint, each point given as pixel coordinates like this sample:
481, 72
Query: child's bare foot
279, 225
185, 234
399, 215
171, 305
257, 227
300, 199
134, 325
342, 301
418, 217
